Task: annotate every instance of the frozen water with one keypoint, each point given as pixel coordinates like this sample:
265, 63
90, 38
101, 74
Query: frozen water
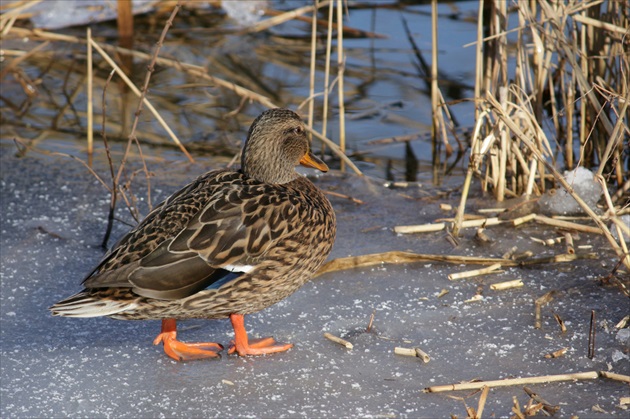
55, 14
625, 219
245, 12
53, 218
560, 202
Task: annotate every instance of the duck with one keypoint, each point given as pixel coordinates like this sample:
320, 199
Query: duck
228, 244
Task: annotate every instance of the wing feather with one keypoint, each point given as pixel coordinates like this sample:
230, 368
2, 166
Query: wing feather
195, 241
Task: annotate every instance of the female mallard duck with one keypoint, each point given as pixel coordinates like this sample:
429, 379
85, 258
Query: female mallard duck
228, 244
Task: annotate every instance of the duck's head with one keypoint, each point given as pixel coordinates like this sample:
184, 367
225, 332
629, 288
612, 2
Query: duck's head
276, 143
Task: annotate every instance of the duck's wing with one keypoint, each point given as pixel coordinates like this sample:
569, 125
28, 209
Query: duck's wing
224, 239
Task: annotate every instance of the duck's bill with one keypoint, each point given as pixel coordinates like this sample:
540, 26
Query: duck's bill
310, 160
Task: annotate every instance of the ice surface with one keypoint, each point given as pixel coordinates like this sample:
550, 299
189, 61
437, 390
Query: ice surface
245, 12
625, 219
55, 14
53, 218
560, 202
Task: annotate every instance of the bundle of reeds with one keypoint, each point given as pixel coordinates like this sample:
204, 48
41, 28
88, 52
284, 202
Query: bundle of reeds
552, 91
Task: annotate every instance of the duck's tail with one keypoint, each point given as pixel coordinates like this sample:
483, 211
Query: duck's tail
92, 304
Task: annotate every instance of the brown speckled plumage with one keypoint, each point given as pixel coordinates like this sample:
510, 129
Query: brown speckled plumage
230, 242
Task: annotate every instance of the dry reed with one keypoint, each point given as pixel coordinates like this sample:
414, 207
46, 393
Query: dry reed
574, 73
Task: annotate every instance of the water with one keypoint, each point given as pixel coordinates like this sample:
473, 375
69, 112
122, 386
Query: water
385, 95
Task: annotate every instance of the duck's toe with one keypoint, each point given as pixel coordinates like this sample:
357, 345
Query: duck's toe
260, 346
181, 351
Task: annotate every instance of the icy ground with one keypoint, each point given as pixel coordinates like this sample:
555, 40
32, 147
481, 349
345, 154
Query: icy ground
53, 218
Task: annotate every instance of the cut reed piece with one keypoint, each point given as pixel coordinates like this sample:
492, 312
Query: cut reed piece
443, 293
422, 355
547, 242
540, 301
547, 407
481, 236
348, 197
591, 336
522, 220
482, 402
371, 322
563, 327
515, 283
557, 354
415, 352
568, 239
510, 253
422, 228
405, 351
396, 256
589, 375
338, 340
492, 269
615, 376
623, 322
446, 207
567, 225
427, 228
623, 401
474, 299
491, 210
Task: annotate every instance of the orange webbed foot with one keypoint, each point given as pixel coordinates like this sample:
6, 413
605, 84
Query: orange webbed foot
244, 346
181, 351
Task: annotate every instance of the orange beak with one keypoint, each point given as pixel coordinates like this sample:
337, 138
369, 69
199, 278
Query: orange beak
309, 160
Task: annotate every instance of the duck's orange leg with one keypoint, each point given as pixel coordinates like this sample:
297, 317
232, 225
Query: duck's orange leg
181, 351
243, 346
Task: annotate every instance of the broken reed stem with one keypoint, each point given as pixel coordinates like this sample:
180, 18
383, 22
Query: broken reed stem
563, 327
589, 375
538, 304
335, 148
338, 340
522, 220
340, 86
312, 69
557, 354
425, 228
568, 239
591, 337
547, 407
285, 17
114, 189
515, 283
482, 402
348, 197
543, 219
434, 78
623, 230
492, 269
422, 355
413, 352
329, 32
90, 104
615, 376
405, 351
396, 256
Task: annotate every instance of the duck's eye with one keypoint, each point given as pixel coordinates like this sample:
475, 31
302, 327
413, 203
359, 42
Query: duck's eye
298, 130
